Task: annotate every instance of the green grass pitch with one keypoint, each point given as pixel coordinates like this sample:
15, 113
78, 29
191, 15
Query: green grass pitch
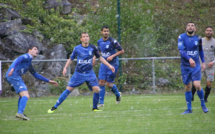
136, 114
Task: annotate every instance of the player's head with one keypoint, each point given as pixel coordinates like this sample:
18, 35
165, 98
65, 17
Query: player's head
33, 50
105, 31
85, 38
190, 28
209, 32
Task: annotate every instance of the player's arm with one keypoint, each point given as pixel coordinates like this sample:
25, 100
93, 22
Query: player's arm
15, 63
106, 63
210, 64
97, 55
94, 60
69, 61
183, 53
201, 54
40, 77
119, 48
110, 58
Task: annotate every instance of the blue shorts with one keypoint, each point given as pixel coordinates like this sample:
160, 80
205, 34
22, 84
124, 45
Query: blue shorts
106, 74
190, 74
79, 78
17, 83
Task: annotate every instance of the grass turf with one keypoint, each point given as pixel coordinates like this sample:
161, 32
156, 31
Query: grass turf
136, 114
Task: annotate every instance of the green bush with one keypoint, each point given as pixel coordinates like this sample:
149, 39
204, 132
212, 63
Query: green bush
62, 81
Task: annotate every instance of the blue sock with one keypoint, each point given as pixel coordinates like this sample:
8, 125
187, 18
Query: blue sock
62, 97
201, 97
102, 94
19, 101
22, 104
188, 97
95, 100
115, 90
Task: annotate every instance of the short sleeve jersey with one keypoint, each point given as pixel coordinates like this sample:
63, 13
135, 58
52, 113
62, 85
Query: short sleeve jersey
84, 58
190, 44
108, 48
21, 65
209, 49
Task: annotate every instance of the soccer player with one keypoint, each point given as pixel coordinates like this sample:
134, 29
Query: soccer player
20, 66
107, 47
208, 44
190, 48
83, 71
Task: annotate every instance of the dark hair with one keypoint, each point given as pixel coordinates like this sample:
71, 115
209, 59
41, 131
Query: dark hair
105, 26
83, 33
190, 22
31, 47
209, 27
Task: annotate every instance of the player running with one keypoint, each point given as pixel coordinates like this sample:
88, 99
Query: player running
208, 44
20, 66
83, 71
190, 48
107, 47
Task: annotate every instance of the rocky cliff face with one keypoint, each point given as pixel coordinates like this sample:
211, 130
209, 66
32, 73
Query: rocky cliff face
13, 43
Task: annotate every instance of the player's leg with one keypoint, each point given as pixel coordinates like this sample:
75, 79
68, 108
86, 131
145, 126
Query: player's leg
102, 80
75, 81
62, 97
21, 89
110, 83
197, 83
186, 77
115, 90
93, 84
96, 90
188, 98
209, 79
24, 96
193, 92
101, 93
207, 90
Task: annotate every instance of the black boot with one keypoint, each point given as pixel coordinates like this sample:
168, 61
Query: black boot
193, 92
207, 92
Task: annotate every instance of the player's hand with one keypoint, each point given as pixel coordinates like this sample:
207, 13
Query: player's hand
11, 71
53, 83
94, 62
210, 64
203, 67
192, 63
64, 71
110, 58
112, 69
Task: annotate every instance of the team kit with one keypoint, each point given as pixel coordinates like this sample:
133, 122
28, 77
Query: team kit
197, 60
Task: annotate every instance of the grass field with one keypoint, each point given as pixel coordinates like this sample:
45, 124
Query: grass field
136, 114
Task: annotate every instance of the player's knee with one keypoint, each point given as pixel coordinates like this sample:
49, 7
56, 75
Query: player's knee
96, 89
69, 88
101, 83
198, 86
110, 85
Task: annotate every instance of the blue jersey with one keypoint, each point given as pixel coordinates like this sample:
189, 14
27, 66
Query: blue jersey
84, 58
190, 47
21, 65
108, 48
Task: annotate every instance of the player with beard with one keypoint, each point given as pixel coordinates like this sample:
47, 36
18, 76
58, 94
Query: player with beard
107, 47
208, 44
190, 48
